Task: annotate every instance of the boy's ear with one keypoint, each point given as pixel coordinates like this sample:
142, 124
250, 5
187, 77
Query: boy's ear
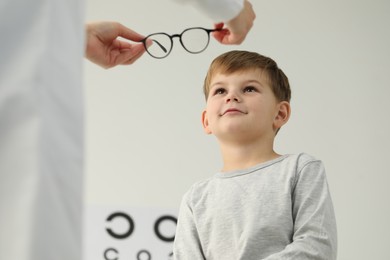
283, 114
205, 123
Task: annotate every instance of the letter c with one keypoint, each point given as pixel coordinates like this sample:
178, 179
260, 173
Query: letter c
127, 218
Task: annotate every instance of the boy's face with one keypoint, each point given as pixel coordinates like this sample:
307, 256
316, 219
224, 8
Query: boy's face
242, 106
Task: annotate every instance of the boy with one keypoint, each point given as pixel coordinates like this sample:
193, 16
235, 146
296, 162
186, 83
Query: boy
261, 205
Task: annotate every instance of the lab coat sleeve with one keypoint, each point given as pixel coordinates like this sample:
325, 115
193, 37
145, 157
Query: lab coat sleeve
315, 233
217, 10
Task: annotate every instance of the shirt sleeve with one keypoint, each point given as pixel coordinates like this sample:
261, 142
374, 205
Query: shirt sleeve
217, 10
187, 244
315, 232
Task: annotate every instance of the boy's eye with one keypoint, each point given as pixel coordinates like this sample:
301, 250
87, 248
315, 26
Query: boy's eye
249, 89
219, 91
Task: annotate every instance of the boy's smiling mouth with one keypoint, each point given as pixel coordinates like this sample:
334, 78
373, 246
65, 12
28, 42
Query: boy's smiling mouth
232, 111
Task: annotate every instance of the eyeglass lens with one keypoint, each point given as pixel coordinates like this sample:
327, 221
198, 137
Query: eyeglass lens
194, 40
162, 45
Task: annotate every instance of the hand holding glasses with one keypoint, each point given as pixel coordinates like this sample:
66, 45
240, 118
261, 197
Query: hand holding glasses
194, 40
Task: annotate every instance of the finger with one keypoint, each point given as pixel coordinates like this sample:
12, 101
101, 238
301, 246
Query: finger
218, 25
129, 34
226, 37
133, 54
221, 36
127, 45
148, 42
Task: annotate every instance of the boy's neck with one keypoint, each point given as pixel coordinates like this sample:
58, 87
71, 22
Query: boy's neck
238, 156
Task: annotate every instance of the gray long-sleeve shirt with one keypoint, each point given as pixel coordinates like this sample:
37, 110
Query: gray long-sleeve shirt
280, 209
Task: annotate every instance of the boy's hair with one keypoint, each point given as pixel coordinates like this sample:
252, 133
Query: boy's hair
237, 61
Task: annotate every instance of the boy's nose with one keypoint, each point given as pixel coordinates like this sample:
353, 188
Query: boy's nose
232, 97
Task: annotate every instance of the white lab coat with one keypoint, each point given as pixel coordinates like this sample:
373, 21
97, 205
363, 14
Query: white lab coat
217, 10
41, 125
41, 129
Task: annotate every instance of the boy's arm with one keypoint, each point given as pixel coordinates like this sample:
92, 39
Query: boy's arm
187, 243
315, 233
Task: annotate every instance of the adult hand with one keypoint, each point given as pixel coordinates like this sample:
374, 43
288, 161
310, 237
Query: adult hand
104, 48
237, 28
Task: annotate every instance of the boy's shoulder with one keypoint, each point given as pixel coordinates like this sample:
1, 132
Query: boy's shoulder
297, 162
197, 190
200, 185
301, 159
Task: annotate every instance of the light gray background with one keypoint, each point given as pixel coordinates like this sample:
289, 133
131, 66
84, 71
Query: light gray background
145, 144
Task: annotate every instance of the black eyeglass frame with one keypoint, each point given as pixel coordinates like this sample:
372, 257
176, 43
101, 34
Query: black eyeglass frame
208, 31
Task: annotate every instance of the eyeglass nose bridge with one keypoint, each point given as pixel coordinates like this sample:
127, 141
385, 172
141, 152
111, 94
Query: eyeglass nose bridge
176, 35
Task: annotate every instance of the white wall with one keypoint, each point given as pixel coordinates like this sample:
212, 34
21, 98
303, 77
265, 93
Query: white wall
145, 141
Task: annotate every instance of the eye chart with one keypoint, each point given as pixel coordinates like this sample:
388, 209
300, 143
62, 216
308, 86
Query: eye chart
114, 233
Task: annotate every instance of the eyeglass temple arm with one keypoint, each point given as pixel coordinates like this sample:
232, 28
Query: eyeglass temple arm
214, 30
161, 46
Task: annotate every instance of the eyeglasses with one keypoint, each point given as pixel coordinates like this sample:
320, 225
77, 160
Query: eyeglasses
194, 40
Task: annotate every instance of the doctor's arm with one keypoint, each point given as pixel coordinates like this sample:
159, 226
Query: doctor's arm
237, 28
105, 48
234, 17
315, 232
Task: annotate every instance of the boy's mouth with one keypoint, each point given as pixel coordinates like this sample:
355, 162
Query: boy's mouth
232, 110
